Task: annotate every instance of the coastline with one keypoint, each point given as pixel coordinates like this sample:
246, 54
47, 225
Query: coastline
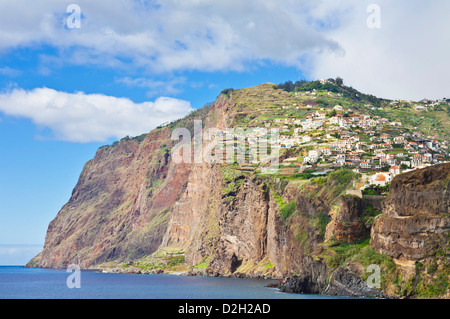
188, 273
290, 285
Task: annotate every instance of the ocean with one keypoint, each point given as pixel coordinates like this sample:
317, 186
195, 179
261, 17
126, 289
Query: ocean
17, 282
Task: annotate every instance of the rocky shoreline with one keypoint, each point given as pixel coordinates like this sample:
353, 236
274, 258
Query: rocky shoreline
190, 273
342, 283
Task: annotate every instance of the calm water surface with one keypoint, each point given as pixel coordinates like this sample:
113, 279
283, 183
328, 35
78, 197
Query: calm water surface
25, 283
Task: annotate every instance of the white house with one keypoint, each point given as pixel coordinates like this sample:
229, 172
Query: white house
420, 107
395, 170
314, 153
326, 151
427, 157
407, 163
399, 140
334, 120
364, 165
380, 179
310, 160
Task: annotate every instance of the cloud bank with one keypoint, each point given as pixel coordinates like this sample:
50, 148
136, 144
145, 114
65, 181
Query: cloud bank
406, 58
80, 117
169, 35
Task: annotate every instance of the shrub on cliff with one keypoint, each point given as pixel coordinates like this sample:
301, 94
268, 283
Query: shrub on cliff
286, 210
227, 92
174, 260
319, 222
343, 176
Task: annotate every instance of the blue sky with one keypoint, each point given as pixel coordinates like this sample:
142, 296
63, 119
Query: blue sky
134, 64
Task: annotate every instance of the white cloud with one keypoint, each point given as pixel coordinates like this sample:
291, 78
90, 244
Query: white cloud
406, 58
80, 117
166, 35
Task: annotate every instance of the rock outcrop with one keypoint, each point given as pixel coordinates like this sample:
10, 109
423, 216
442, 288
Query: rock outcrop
414, 230
415, 221
346, 225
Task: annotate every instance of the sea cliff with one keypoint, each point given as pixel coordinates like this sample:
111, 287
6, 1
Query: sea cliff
136, 209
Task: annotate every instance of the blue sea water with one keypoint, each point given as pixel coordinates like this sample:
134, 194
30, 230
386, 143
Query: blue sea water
29, 283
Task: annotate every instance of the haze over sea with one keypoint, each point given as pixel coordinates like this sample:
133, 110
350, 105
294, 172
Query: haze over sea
17, 282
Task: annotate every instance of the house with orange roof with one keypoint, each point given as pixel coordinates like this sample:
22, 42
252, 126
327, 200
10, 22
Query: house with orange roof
380, 179
395, 170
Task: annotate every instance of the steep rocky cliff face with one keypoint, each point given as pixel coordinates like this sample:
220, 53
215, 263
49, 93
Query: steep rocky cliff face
134, 203
346, 225
415, 228
119, 208
415, 220
132, 200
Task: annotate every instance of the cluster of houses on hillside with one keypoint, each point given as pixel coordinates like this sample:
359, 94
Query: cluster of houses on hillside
387, 154
361, 142
422, 105
339, 139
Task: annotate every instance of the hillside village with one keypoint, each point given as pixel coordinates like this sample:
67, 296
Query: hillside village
332, 138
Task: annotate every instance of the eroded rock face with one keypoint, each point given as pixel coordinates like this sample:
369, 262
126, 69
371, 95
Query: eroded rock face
312, 280
346, 281
415, 219
132, 199
345, 225
422, 191
412, 238
118, 207
318, 279
242, 226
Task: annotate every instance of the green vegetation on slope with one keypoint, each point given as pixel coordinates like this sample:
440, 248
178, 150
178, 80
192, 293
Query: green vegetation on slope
332, 85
